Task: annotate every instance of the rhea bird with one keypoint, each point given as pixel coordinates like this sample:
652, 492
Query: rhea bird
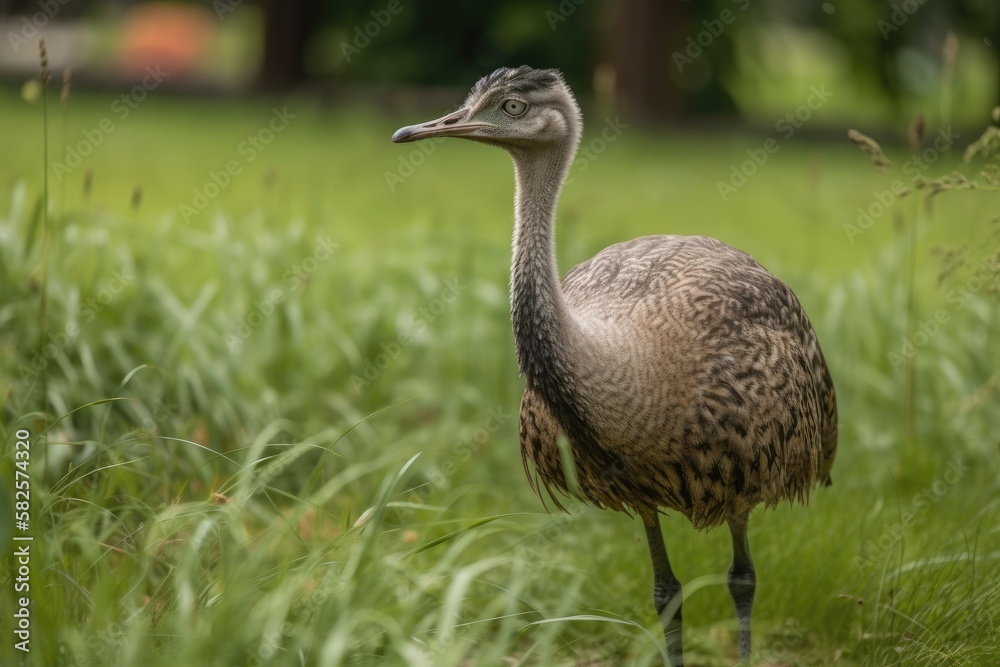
684, 375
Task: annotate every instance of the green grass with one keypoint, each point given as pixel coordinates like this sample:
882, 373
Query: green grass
269, 503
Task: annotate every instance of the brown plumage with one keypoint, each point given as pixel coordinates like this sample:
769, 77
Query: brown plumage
684, 375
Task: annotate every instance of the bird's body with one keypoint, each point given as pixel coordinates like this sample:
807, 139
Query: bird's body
706, 389
684, 375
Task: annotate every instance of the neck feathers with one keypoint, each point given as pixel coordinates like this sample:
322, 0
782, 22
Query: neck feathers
541, 317
547, 335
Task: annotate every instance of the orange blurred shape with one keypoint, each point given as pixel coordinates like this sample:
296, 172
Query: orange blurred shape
173, 36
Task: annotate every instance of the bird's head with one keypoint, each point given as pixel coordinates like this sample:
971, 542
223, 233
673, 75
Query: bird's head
512, 108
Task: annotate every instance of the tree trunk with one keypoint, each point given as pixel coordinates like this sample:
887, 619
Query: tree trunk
641, 57
287, 26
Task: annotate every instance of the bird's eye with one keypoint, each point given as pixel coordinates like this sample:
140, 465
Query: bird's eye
513, 107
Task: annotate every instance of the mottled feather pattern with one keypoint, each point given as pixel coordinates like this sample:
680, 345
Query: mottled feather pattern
720, 398
682, 375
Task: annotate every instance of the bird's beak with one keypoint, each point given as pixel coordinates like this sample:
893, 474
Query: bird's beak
456, 124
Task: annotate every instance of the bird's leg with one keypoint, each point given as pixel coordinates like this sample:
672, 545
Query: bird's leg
667, 597
742, 580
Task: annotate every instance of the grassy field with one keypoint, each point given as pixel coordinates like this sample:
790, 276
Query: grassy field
271, 396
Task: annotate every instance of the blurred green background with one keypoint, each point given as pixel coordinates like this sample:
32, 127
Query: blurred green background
265, 359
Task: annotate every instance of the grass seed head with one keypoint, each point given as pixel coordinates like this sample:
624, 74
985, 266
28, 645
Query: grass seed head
991, 173
43, 56
986, 146
870, 148
67, 81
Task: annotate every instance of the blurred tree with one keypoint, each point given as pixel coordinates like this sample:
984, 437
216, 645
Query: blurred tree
667, 58
665, 55
454, 43
884, 39
288, 25
674, 58
639, 60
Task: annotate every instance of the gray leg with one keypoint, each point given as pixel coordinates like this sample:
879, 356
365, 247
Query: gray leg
742, 580
666, 590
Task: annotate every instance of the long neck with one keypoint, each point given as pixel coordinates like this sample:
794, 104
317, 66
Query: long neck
550, 340
543, 322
